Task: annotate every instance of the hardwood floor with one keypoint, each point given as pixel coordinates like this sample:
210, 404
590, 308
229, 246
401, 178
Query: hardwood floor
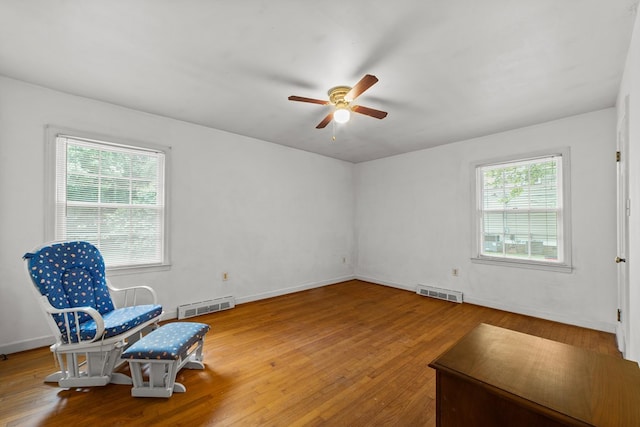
349, 354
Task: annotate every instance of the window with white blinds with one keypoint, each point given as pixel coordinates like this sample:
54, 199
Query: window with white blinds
113, 196
521, 214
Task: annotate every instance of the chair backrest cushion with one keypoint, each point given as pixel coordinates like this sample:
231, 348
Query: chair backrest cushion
71, 274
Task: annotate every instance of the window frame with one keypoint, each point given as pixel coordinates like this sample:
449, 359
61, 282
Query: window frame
51, 134
564, 232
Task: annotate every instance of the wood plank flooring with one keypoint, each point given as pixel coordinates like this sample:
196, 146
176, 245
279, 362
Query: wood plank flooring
349, 354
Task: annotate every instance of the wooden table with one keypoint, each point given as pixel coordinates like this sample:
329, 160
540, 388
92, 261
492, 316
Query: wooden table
498, 377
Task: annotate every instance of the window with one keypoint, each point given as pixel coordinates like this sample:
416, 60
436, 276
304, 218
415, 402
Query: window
112, 195
522, 212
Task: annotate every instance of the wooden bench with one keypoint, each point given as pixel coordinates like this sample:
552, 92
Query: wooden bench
165, 351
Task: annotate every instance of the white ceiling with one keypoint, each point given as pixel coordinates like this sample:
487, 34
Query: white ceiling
449, 69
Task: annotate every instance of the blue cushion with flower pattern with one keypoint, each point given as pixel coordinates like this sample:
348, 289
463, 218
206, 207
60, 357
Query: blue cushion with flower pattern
120, 320
72, 274
168, 342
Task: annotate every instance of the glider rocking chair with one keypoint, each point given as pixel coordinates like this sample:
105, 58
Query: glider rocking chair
91, 333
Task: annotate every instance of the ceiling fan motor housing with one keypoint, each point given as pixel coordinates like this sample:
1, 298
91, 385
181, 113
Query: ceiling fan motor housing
337, 94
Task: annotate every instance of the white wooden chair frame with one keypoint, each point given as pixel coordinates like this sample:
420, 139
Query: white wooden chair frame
88, 363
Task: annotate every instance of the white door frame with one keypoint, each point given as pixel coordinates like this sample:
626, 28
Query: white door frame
623, 206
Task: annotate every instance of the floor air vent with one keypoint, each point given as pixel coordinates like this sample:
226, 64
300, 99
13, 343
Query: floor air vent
444, 294
204, 307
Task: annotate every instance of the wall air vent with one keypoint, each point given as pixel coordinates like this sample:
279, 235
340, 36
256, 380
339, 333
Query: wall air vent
443, 294
205, 307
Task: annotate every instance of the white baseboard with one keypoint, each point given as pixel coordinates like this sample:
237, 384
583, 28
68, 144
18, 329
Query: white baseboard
292, 289
527, 311
29, 344
386, 283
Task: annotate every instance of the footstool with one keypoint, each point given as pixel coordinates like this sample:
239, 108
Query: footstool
165, 351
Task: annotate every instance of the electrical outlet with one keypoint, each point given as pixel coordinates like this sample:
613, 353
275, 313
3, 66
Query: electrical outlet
225, 276
455, 272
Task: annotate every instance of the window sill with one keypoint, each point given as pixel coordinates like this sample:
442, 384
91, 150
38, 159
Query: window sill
508, 262
152, 268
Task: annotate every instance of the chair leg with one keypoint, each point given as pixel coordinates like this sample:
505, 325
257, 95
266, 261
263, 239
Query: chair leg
56, 376
112, 360
158, 375
194, 359
161, 376
96, 369
136, 373
73, 366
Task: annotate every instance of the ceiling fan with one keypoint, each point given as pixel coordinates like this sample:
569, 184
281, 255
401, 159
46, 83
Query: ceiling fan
341, 98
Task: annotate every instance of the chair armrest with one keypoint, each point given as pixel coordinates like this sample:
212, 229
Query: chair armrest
71, 321
130, 295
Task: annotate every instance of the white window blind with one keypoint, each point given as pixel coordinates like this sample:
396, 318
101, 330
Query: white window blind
520, 211
112, 196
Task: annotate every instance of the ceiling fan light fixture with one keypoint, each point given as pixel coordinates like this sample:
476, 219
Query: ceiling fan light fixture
341, 115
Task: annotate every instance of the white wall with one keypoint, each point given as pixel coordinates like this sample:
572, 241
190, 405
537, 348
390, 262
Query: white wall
280, 220
631, 87
275, 218
413, 223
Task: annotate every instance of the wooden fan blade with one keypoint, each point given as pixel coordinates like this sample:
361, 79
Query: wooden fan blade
325, 121
369, 111
311, 100
365, 83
